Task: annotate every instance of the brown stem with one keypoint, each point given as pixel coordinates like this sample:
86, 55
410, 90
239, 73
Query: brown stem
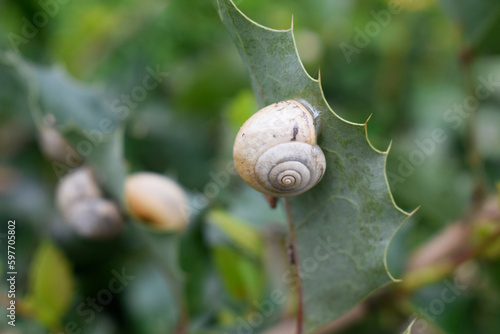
273, 201
473, 155
437, 271
300, 313
347, 320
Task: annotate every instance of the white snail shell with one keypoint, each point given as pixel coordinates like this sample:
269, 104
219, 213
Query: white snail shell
275, 151
75, 187
95, 218
157, 200
83, 207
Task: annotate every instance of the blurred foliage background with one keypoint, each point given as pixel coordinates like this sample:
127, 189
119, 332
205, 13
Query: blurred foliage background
427, 59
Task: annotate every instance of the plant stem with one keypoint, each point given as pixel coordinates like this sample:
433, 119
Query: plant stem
435, 272
472, 148
300, 313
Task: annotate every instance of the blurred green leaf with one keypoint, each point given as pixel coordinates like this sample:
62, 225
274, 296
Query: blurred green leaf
162, 245
350, 215
83, 117
241, 108
51, 285
243, 277
239, 231
498, 194
151, 305
240, 260
202, 285
480, 22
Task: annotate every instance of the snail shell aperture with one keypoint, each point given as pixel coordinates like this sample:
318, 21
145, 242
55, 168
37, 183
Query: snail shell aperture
275, 151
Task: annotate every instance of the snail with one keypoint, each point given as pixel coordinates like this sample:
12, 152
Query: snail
95, 218
55, 147
157, 200
83, 206
275, 151
77, 186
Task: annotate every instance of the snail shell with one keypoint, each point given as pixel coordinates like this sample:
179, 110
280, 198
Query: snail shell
75, 187
95, 218
157, 200
275, 151
83, 207
55, 147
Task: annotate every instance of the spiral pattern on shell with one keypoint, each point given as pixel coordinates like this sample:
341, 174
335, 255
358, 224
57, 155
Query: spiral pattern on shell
289, 169
275, 151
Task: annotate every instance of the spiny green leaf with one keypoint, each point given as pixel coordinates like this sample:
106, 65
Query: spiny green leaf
51, 285
344, 225
80, 114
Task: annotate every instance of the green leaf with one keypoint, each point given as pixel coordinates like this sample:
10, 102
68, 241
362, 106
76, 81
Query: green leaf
202, 283
498, 197
343, 226
81, 115
162, 248
243, 277
151, 306
239, 257
238, 231
162, 245
480, 22
51, 285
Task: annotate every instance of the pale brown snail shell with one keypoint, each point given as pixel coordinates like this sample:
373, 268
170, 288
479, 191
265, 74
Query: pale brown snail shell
276, 153
158, 201
55, 147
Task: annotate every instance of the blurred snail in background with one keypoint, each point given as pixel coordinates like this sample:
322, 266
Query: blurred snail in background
82, 205
55, 147
275, 151
157, 200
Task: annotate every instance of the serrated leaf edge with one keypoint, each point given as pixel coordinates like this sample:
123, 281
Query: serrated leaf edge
364, 125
